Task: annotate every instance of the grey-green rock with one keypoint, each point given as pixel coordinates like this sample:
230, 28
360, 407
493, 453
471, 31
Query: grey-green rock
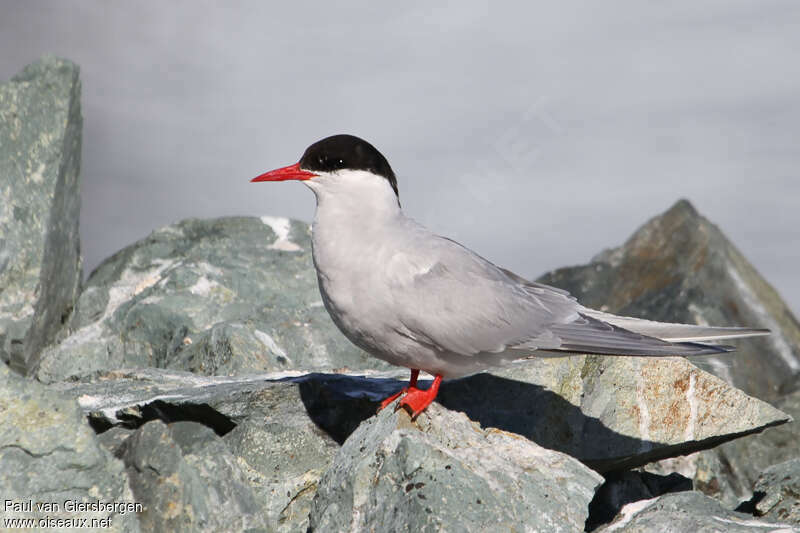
778, 492
283, 431
188, 480
40, 152
679, 267
215, 297
612, 413
688, 511
728, 472
283, 454
445, 473
49, 454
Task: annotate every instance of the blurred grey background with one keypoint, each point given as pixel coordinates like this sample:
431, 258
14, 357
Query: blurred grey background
536, 134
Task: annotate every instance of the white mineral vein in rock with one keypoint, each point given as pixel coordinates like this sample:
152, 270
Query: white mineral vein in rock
644, 412
203, 286
38, 175
281, 227
629, 511
692, 399
129, 285
777, 340
270, 343
756, 523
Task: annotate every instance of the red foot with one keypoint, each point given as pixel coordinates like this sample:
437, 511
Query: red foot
411, 383
418, 399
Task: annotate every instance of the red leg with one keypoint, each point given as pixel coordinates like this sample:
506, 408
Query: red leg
412, 383
418, 399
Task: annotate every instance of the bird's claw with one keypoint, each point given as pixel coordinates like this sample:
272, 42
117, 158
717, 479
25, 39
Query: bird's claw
416, 400
391, 398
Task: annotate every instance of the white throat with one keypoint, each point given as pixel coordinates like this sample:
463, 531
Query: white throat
353, 197
357, 213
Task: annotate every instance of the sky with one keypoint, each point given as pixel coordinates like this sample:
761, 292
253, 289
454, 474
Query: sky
536, 133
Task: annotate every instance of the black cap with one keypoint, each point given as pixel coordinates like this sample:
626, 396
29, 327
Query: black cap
340, 152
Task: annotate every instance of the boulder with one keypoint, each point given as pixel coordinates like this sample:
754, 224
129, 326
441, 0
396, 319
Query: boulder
445, 473
622, 488
612, 413
687, 511
283, 454
679, 267
728, 472
282, 431
51, 457
215, 297
40, 153
777, 493
187, 480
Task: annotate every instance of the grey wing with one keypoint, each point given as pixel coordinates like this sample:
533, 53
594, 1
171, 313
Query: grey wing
464, 304
455, 300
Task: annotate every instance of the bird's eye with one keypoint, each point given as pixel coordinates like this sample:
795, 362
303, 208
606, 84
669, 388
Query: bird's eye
341, 163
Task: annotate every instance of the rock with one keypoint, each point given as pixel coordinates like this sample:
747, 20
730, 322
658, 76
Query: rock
50, 455
215, 297
337, 403
282, 431
679, 267
729, 471
114, 438
188, 480
612, 413
620, 489
596, 415
687, 511
446, 474
283, 454
40, 263
777, 493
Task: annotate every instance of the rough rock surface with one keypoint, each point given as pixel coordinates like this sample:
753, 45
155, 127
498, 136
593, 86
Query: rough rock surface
729, 471
777, 493
48, 453
215, 297
622, 488
688, 511
188, 480
282, 433
679, 267
40, 150
608, 416
283, 453
611, 413
446, 474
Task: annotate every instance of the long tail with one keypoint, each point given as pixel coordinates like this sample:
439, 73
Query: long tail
669, 332
603, 333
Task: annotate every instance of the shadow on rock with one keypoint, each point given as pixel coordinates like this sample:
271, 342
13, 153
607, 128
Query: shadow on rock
548, 420
339, 403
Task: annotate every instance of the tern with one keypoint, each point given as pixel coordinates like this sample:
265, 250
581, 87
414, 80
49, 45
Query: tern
425, 302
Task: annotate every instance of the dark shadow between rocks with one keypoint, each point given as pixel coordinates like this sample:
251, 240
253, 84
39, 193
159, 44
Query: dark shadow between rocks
338, 404
168, 413
749, 506
622, 488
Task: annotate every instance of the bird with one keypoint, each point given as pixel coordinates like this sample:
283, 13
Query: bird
422, 301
